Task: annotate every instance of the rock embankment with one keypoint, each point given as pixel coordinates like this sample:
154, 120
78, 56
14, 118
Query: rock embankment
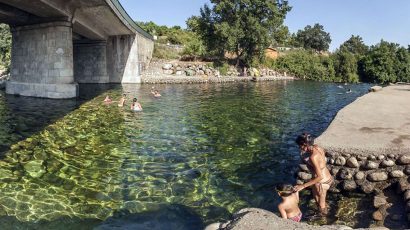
186, 72
253, 218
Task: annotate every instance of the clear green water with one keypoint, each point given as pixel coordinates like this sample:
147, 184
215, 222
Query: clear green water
191, 158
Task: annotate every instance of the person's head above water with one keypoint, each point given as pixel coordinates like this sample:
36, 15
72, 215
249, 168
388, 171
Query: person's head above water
134, 100
124, 95
284, 190
304, 139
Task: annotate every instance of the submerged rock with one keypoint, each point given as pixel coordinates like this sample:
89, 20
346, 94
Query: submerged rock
35, 168
349, 185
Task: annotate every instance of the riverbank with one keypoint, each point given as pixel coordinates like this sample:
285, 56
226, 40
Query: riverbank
368, 149
177, 72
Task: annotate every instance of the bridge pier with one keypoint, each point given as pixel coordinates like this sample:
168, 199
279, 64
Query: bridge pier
42, 61
90, 62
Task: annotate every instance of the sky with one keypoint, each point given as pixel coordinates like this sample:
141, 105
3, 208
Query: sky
373, 20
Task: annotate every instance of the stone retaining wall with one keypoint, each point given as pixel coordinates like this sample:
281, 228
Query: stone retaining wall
368, 174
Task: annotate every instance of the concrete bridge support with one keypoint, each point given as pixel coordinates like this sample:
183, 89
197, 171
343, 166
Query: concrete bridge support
127, 57
90, 62
42, 61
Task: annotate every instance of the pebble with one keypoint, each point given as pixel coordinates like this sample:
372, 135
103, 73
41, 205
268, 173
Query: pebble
334, 171
371, 157
381, 157
214, 226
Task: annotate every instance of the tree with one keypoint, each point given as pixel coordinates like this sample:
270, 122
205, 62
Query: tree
381, 64
315, 38
345, 65
5, 46
242, 27
354, 45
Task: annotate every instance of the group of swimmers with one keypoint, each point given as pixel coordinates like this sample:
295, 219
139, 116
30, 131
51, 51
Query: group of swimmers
315, 159
135, 105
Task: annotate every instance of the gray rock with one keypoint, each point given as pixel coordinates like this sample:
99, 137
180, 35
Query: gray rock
367, 187
377, 176
396, 174
349, 185
331, 161
403, 185
371, 165
178, 72
345, 174
404, 159
167, 66
347, 155
299, 182
391, 156
375, 88
359, 175
387, 163
334, 171
35, 168
371, 157
407, 170
352, 162
406, 195
201, 72
214, 226
379, 201
340, 161
304, 168
305, 176
381, 157
168, 71
361, 158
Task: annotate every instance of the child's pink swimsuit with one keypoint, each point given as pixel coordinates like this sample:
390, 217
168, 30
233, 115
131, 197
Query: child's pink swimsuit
297, 218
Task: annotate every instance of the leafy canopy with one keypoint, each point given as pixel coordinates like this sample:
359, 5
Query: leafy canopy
242, 27
315, 38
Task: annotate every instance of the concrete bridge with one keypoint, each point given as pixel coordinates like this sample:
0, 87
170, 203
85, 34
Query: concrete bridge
60, 43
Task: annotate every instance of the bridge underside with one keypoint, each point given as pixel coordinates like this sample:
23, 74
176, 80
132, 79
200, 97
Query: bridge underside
59, 43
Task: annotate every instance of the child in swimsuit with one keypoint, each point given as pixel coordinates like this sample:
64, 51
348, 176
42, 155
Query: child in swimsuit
289, 208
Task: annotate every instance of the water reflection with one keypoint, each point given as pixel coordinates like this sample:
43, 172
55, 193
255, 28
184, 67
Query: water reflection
206, 150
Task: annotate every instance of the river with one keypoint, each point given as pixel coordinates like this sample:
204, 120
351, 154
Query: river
192, 157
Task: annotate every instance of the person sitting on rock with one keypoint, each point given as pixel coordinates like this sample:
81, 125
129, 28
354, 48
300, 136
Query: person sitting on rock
289, 208
315, 159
